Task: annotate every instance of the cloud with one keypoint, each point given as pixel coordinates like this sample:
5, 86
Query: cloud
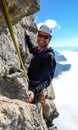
66, 91
51, 23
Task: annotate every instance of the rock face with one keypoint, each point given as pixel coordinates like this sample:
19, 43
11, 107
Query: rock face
15, 112
19, 9
18, 115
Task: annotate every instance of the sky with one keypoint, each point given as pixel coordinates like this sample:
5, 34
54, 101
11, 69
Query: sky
66, 91
62, 17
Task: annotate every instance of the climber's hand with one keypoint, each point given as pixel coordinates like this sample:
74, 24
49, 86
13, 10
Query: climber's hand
31, 96
26, 32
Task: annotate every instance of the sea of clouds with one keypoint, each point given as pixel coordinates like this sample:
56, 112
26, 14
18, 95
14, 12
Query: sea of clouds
66, 90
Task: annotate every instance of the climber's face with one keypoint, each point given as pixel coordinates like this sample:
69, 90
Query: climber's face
43, 40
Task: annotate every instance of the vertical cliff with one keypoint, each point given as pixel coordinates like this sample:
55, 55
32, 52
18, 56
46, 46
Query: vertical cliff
15, 113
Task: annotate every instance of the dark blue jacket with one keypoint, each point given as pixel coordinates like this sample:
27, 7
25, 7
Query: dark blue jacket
41, 68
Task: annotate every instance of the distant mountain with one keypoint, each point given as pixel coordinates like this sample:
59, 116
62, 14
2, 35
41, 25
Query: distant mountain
61, 67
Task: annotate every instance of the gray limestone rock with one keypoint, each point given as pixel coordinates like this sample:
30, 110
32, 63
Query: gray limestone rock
15, 112
19, 9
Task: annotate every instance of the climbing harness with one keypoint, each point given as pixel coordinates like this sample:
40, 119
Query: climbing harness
9, 24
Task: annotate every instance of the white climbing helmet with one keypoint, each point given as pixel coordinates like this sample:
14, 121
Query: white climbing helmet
46, 29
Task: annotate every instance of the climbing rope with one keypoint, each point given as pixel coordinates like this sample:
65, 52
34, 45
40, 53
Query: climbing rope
9, 24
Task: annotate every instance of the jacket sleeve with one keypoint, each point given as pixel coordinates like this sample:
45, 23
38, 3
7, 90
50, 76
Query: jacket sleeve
31, 46
46, 76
